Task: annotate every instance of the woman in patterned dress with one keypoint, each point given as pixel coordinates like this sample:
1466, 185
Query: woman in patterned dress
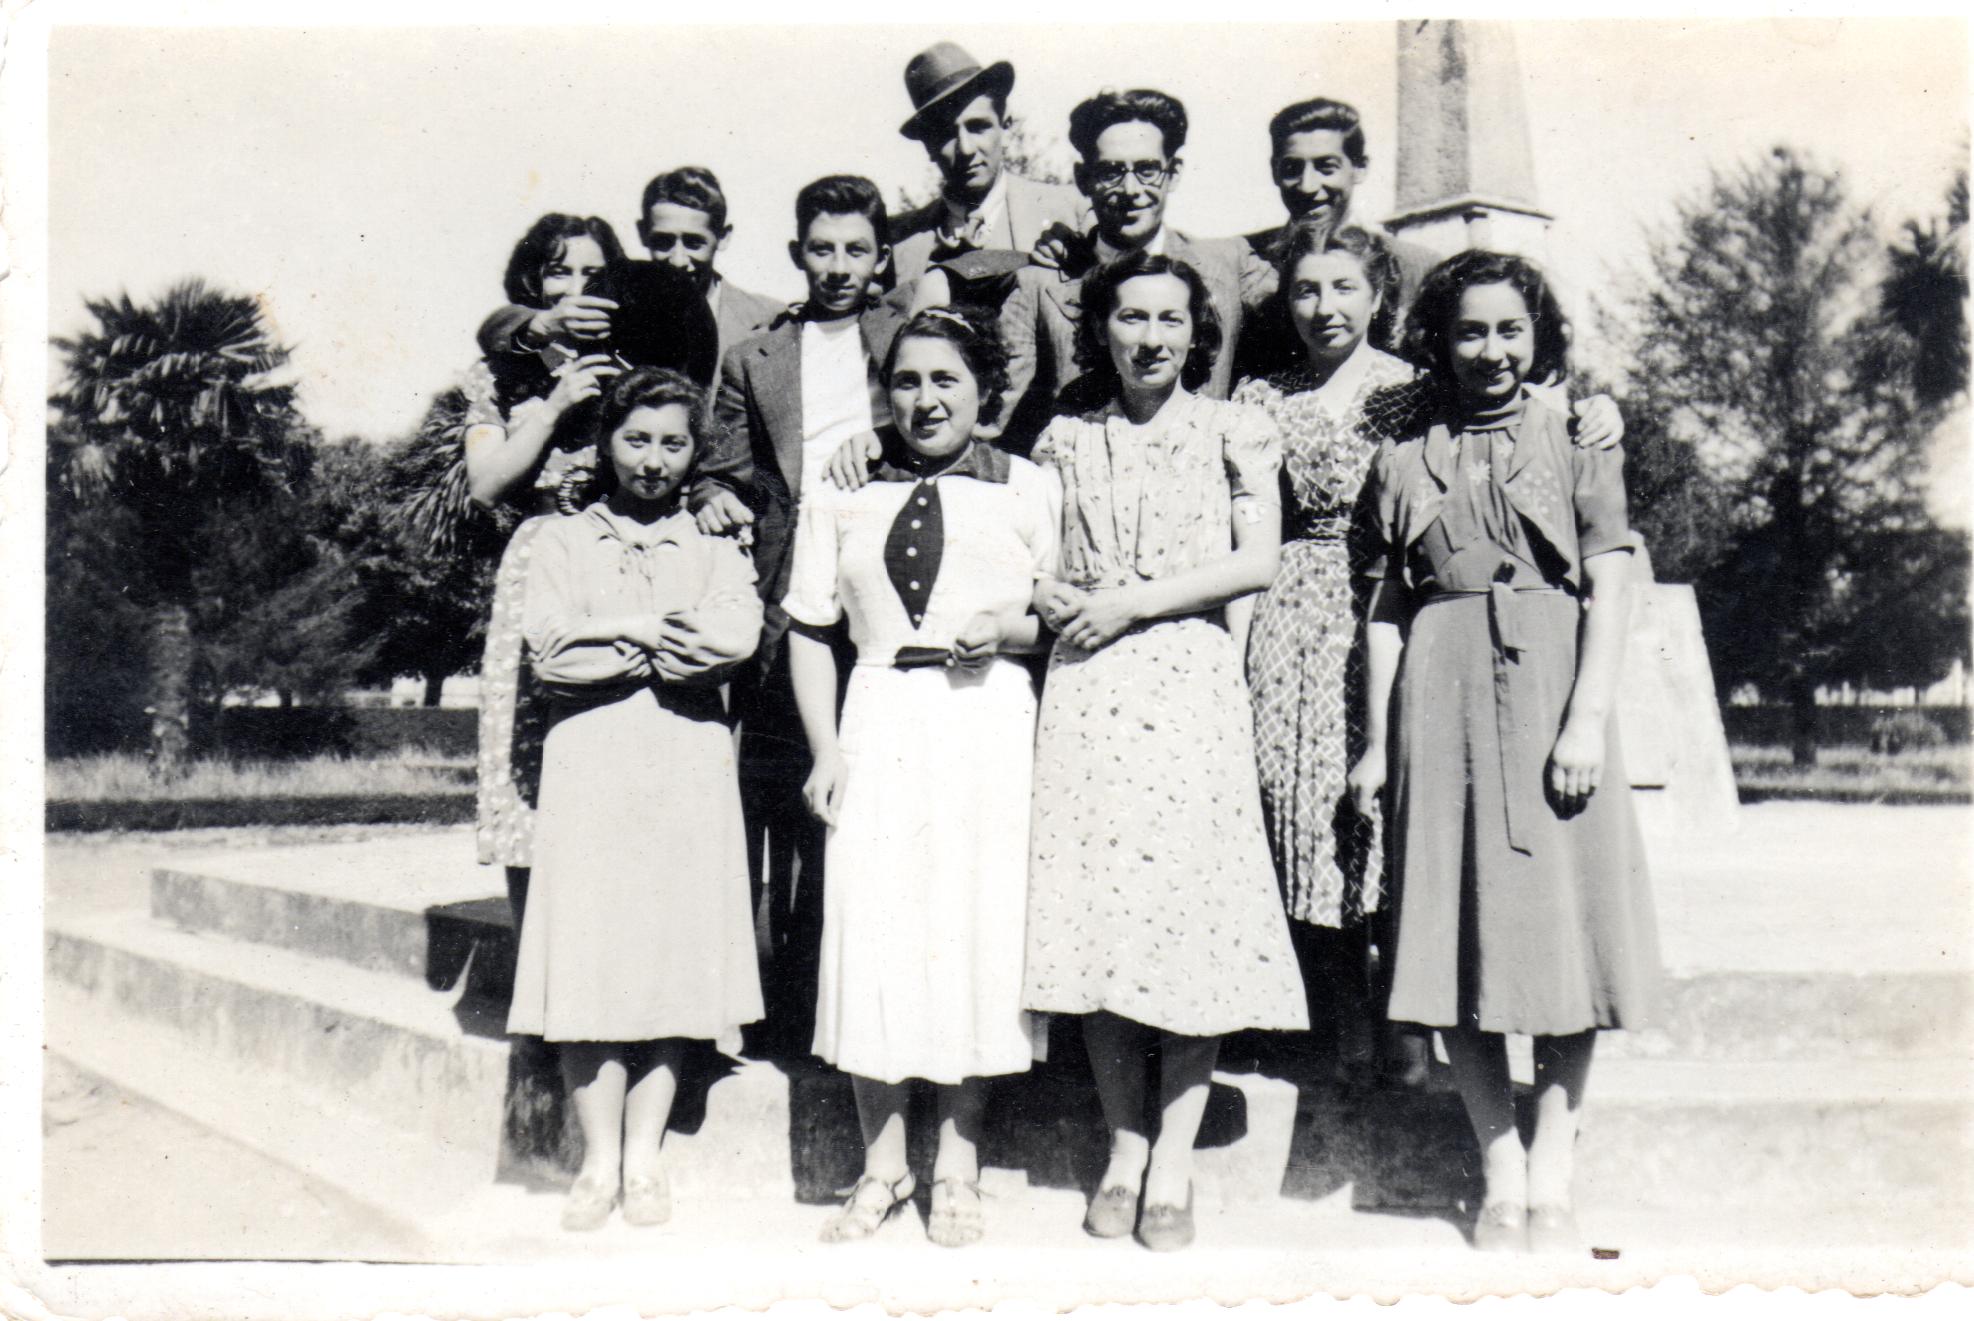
1303, 661
1500, 606
526, 442
1153, 909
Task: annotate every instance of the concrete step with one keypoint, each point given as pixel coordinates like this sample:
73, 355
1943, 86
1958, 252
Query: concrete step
393, 1092
315, 1047
444, 926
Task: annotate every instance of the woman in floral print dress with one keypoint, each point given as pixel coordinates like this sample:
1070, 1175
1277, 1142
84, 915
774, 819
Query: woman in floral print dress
1152, 909
1303, 657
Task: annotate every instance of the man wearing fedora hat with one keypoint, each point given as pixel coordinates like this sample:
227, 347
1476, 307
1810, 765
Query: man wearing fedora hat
960, 116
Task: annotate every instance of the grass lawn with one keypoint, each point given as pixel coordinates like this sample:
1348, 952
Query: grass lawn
121, 777
1853, 772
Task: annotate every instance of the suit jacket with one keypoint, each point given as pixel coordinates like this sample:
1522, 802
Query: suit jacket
1038, 325
1032, 208
743, 314
756, 448
661, 322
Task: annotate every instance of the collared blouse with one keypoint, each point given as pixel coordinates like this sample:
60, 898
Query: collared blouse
598, 564
1571, 498
1142, 502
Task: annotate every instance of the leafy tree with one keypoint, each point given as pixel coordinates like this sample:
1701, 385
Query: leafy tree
1924, 295
1755, 338
171, 412
423, 585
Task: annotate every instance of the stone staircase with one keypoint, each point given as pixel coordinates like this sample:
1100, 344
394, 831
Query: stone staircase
339, 1008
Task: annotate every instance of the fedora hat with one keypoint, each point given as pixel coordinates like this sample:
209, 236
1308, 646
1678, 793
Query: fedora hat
943, 77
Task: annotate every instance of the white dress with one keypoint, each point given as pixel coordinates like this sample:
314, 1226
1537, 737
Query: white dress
925, 901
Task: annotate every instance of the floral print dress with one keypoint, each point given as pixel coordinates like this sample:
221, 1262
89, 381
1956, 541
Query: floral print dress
1304, 665
1151, 893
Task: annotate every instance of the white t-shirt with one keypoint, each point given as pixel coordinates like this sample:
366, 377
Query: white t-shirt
835, 392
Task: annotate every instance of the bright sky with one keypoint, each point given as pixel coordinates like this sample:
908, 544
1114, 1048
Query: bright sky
368, 184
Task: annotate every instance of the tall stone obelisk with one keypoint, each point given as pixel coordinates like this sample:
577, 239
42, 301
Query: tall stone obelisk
1466, 179
1466, 171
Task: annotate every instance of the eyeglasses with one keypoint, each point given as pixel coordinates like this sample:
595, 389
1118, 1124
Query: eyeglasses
1109, 174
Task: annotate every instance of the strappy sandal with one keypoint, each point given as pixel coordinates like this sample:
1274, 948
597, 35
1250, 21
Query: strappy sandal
955, 1221
871, 1202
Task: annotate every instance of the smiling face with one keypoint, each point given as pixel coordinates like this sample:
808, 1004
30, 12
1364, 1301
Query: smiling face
1491, 343
1127, 182
970, 152
839, 256
1150, 332
1331, 302
1315, 176
577, 269
682, 237
935, 399
651, 451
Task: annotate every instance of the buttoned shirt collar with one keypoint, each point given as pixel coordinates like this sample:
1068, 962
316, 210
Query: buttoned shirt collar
981, 217
981, 461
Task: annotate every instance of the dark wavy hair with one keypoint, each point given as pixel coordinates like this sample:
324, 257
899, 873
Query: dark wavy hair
841, 195
1140, 105
645, 387
691, 186
1100, 300
1317, 114
1307, 237
545, 241
976, 340
1426, 343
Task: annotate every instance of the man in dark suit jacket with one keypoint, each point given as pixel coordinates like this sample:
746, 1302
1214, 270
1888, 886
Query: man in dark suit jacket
960, 117
683, 223
1317, 156
788, 399
1129, 144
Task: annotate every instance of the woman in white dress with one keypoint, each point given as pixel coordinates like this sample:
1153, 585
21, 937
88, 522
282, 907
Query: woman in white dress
925, 783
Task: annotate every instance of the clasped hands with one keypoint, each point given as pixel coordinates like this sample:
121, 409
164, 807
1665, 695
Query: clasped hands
1087, 619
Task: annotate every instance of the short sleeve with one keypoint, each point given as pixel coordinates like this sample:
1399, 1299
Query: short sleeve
1602, 521
1253, 448
813, 597
482, 401
1042, 523
1370, 534
1048, 445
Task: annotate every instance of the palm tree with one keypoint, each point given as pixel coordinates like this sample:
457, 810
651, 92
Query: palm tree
1925, 296
173, 412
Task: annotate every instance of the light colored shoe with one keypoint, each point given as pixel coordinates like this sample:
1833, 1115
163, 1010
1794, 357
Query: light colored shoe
1501, 1227
1552, 1229
1113, 1212
957, 1219
1165, 1228
648, 1201
588, 1205
871, 1202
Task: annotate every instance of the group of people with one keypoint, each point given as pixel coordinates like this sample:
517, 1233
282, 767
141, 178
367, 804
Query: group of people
1051, 614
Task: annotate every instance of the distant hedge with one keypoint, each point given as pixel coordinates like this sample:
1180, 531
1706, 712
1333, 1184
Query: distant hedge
201, 813
274, 733
1836, 726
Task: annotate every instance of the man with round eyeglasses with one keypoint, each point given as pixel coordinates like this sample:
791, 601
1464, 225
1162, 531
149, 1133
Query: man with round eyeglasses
1128, 145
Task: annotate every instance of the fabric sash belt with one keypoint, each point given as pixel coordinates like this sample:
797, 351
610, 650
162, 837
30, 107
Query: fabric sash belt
1525, 743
